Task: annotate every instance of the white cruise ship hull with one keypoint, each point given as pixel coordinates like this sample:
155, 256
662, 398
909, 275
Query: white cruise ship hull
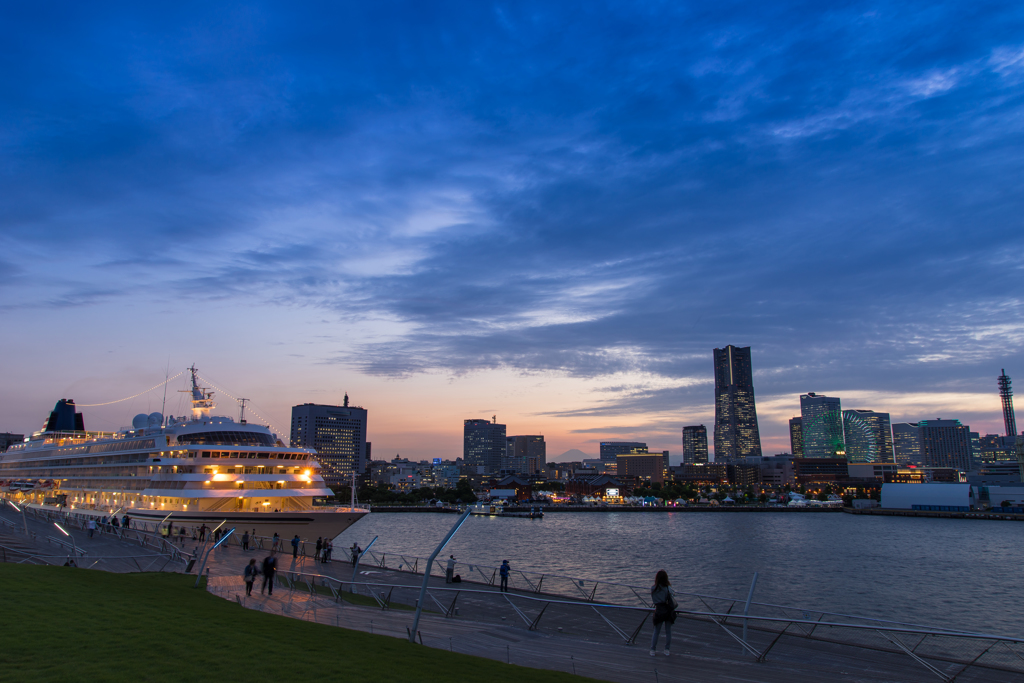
309, 525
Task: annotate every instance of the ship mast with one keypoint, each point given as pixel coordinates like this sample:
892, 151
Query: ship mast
202, 400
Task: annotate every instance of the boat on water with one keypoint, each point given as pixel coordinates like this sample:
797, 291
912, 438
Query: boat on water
187, 471
500, 511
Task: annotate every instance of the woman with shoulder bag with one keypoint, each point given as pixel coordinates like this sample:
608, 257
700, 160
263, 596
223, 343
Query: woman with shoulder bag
664, 610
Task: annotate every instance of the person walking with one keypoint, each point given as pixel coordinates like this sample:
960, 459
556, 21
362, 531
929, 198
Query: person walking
91, 526
295, 546
245, 540
503, 571
319, 547
251, 571
449, 571
664, 601
269, 569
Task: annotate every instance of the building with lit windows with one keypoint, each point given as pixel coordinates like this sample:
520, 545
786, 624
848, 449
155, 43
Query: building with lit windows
525, 454
338, 433
695, 444
646, 468
821, 423
611, 449
736, 431
868, 436
945, 443
483, 446
906, 443
796, 437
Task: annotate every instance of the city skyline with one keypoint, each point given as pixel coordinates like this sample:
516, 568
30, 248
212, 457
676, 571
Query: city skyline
548, 213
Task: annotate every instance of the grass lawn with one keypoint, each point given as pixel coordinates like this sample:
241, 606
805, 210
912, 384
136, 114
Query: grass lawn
64, 624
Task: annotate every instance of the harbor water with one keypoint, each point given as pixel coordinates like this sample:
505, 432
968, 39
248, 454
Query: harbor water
958, 574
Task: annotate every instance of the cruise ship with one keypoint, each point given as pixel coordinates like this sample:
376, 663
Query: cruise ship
192, 470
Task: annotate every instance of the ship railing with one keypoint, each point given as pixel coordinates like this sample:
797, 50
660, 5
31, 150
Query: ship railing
946, 653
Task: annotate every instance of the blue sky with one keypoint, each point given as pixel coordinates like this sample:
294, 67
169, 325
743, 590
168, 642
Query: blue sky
548, 212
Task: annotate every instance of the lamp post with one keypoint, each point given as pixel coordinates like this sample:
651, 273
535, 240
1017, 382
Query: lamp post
24, 519
73, 545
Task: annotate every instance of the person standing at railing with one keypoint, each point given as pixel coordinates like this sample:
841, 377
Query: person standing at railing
664, 601
504, 571
251, 571
295, 546
328, 549
245, 540
449, 571
91, 526
126, 521
319, 547
276, 545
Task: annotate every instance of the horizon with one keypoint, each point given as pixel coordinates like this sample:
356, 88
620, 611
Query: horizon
551, 214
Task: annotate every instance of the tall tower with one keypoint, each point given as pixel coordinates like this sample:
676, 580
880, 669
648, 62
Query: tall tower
736, 433
1006, 394
821, 420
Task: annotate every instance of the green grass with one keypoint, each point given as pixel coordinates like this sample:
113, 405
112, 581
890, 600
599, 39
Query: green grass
64, 624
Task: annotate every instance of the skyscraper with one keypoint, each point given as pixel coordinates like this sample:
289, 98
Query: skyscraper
483, 444
1006, 395
695, 444
736, 432
868, 436
338, 433
945, 443
610, 449
526, 454
821, 420
796, 437
906, 442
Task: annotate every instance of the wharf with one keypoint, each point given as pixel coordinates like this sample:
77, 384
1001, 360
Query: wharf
884, 512
613, 508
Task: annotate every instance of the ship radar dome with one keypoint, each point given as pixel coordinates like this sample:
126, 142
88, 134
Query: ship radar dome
155, 419
140, 421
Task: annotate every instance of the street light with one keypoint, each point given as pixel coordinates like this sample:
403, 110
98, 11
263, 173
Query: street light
23, 518
63, 531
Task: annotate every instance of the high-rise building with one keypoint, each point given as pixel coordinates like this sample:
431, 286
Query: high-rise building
695, 444
906, 443
1006, 395
646, 467
868, 436
483, 445
796, 437
945, 443
526, 454
610, 449
993, 448
338, 433
821, 421
736, 432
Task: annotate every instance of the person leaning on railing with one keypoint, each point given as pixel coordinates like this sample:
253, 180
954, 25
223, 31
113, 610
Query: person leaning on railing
663, 598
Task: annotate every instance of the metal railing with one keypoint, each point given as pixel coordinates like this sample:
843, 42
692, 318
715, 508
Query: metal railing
946, 653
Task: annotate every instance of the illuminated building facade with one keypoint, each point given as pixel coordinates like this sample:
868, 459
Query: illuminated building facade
484, 445
644, 467
736, 432
610, 449
868, 436
796, 437
525, 454
821, 422
695, 444
906, 443
945, 443
338, 433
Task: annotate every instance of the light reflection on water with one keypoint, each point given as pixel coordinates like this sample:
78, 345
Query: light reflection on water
962, 574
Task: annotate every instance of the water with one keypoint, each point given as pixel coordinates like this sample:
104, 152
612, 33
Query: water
962, 574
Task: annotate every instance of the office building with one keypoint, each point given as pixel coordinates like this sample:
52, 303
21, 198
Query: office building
796, 437
483, 445
7, 439
736, 432
994, 448
526, 454
868, 436
338, 433
610, 449
821, 422
695, 444
945, 443
906, 443
646, 468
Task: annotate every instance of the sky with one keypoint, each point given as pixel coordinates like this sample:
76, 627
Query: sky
546, 212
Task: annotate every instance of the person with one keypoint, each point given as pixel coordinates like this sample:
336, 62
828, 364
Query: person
202, 533
295, 546
126, 521
245, 540
276, 545
114, 522
355, 553
664, 601
328, 549
91, 525
269, 569
450, 570
504, 570
181, 535
319, 547
251, 570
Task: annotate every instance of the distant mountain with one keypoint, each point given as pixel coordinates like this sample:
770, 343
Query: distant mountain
572, 455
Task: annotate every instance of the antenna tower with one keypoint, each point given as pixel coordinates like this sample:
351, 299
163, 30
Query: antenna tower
241, 412
1006, 394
